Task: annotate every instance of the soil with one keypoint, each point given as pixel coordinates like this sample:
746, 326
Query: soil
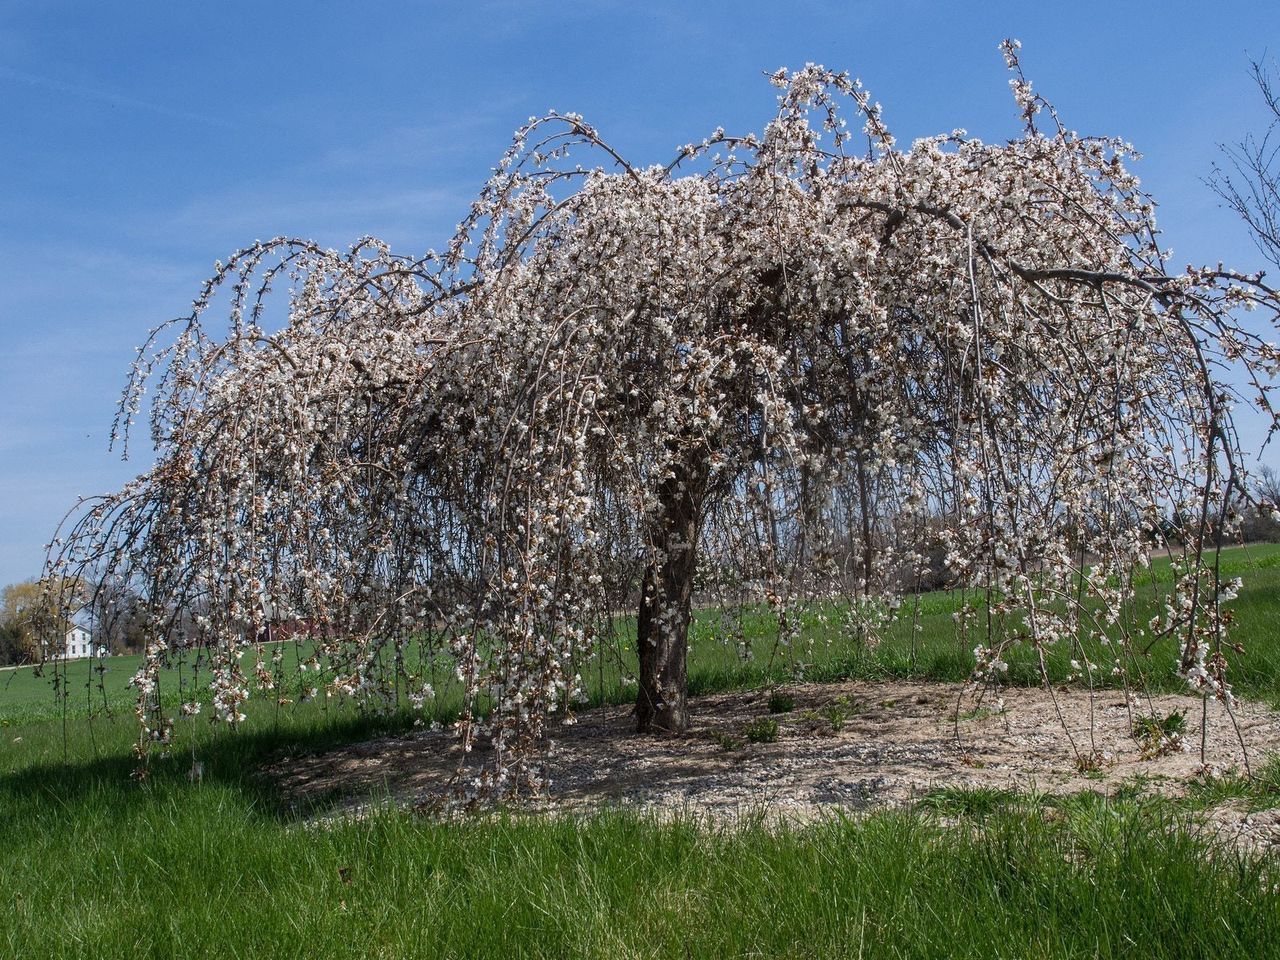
845, 747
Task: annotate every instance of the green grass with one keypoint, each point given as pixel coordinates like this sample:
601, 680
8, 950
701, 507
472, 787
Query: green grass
781, 702
725, 654
81, 688
935, 652
761, 730
1134, 797
200, 875
94, 863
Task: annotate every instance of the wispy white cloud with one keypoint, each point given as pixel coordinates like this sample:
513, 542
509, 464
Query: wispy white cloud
101, 94
329, 215
421, 144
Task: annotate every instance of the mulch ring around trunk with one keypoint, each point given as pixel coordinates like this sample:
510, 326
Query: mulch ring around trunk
804, 751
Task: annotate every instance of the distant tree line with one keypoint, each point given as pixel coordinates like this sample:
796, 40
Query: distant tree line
110, 609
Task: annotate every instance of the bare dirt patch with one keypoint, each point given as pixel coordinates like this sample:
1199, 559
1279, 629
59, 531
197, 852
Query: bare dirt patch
848, 747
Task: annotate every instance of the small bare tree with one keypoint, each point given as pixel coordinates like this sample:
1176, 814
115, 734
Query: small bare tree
1249, 184
1267, 485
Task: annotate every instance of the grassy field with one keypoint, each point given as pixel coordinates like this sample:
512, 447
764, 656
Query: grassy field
95, 863
825, 654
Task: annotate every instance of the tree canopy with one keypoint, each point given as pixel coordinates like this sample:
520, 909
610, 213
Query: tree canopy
800, 365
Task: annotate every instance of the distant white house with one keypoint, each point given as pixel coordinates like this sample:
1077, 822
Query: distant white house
79, 643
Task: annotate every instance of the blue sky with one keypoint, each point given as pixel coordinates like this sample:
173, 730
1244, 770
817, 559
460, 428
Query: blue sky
142, 141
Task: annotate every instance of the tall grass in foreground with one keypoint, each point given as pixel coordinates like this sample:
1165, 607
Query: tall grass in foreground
93, 863
199, 875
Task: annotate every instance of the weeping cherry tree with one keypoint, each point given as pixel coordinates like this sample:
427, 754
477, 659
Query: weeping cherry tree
785, 371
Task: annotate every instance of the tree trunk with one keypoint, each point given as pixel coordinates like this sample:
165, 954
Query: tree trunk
666, 598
